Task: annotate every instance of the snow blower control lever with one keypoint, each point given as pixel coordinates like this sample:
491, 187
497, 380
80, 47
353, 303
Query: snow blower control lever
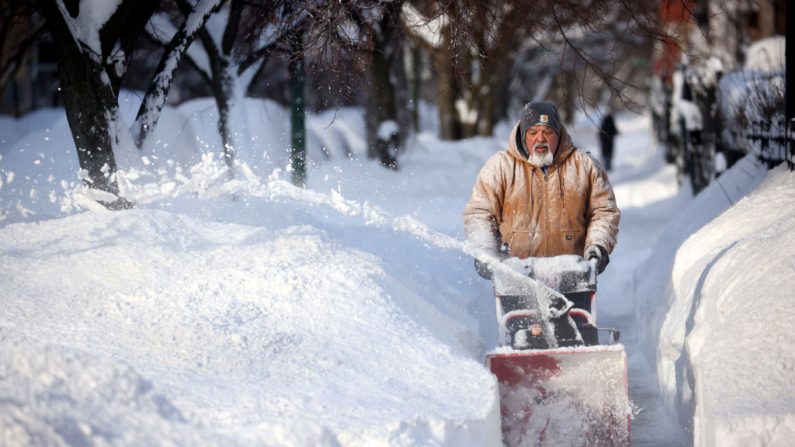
549, 303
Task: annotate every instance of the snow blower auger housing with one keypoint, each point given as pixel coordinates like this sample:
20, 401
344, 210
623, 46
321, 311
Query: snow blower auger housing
562, 380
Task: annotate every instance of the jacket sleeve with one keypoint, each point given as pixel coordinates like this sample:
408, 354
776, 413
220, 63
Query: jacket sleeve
483, 212
603, 213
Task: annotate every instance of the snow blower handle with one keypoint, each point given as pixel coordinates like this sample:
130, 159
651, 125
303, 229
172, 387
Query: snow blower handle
594, 268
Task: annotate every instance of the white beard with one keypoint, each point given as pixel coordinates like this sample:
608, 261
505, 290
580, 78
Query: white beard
540, 160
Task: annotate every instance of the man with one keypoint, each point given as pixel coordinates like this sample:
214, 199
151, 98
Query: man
607, 132
542, 197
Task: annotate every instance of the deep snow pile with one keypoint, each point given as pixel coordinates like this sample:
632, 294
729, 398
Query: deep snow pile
714, 309
137, 326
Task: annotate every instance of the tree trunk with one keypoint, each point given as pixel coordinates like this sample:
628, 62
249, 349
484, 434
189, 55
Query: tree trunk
496, 74
221, 82
492, 93
789, 86
92, 109
223, 93
92, 112
415, 84
382, 120
570, 92
448, 90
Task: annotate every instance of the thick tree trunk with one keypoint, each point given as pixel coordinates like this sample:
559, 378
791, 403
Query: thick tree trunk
496, 74
221, 84
492, 93
92, 112
448, 90
789, 86
382, 120
92, 109
447, 87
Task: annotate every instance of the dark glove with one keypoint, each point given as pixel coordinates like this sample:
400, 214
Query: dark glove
483, 270
600, 254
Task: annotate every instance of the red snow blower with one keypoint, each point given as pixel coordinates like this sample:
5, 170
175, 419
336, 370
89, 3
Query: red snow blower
562, 380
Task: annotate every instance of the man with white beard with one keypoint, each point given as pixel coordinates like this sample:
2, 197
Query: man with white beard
542, 197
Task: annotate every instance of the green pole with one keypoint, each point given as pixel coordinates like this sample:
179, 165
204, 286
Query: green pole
297, 116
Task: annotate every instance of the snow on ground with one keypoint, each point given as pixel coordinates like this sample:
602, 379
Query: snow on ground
251, 312
715, 310
226, 328
737, 271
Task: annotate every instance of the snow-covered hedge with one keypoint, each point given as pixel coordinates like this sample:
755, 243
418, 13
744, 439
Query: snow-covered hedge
753, 102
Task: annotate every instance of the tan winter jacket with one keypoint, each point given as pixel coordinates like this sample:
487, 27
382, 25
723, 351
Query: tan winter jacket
538, 215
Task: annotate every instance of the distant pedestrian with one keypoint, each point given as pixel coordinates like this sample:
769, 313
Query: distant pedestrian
607, 132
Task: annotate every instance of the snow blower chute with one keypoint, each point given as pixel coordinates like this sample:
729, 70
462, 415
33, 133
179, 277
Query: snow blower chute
562, 380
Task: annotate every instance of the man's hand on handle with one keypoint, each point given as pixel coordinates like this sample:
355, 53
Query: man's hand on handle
598, 253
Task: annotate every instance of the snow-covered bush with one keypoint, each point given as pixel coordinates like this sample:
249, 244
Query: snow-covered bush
751, 102
693, 89
683, 109
751, 105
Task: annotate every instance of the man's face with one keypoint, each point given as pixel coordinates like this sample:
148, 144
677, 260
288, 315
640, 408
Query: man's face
542, 142
540, 139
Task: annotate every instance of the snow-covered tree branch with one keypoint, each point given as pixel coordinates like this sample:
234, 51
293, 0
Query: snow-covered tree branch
157, 93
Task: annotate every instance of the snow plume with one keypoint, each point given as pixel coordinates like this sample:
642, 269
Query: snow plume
567, 410
208, 179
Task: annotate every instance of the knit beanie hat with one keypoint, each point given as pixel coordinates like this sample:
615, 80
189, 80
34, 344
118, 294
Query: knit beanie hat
539, 113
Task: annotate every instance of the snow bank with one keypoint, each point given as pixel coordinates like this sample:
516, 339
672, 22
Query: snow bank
714, 309
57, 395
214, 333
738, 270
